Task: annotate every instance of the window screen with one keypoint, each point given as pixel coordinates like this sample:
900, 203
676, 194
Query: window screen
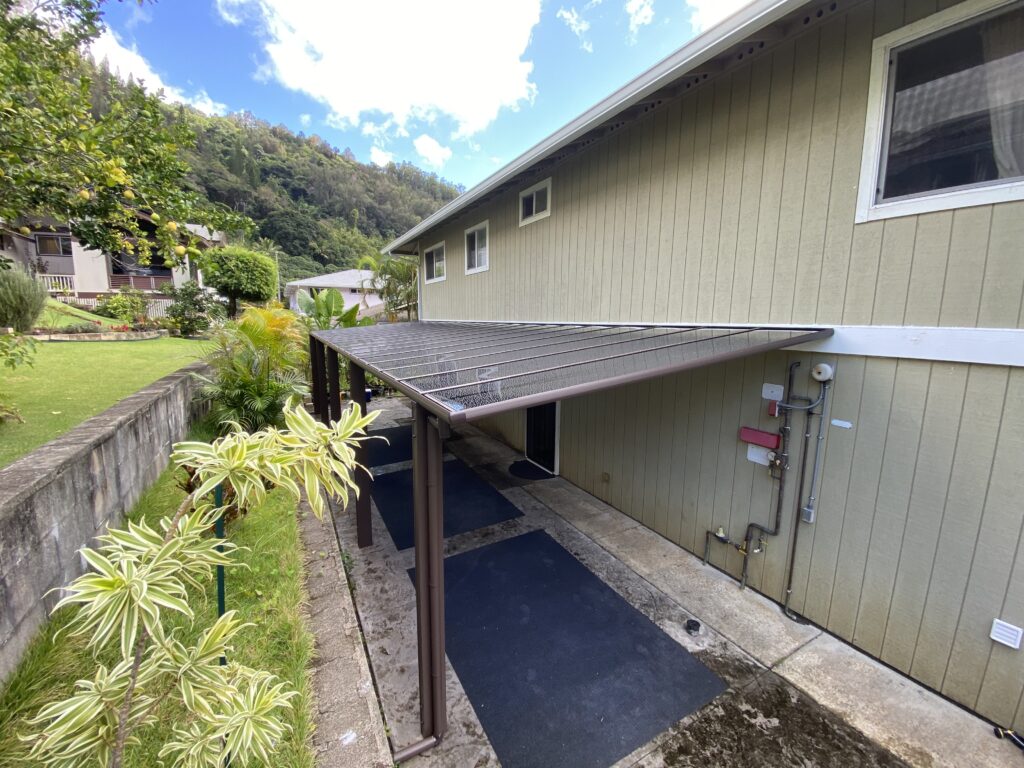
956, 108
476, 248
434, 265
53, 245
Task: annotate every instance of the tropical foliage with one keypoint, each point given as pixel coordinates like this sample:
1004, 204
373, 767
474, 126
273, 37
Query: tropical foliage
22, 300
104, 171
193, 309
326, 310
141, 576
259, 365
127, 305
394, 279
240, 274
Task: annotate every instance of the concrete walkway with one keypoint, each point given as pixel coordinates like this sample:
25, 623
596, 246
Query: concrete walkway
797, 696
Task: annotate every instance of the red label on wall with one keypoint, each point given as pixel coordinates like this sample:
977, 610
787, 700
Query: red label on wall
759, 437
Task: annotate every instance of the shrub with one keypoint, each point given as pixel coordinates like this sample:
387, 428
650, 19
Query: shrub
259, 365
194, 308
22, 300
127, 305
238, 273
83, 327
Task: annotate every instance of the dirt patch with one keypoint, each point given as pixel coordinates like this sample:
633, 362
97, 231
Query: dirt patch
770, 723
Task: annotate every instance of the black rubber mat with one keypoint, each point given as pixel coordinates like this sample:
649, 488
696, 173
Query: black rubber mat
560, 669
397, 448
527, 470
469, 502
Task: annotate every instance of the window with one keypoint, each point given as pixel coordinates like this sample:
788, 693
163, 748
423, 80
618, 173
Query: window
535, 202
946, 113
433, 259
53, 245
476, 249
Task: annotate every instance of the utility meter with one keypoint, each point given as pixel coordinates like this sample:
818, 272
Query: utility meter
822, 372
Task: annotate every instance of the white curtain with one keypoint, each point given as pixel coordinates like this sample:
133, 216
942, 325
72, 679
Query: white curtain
1002, 38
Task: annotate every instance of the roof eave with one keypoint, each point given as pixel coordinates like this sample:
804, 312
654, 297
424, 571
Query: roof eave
736, 28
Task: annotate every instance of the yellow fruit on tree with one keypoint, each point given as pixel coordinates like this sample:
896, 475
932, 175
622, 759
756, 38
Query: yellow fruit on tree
171, 226
155, 216
179, 250
129, 195
84, 194
25, 230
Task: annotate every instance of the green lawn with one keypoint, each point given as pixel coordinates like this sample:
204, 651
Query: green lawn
71, 381
267, 591
58, 315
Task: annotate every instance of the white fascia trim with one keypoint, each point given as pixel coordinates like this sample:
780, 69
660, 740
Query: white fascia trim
981, 346
875, 126
735, 29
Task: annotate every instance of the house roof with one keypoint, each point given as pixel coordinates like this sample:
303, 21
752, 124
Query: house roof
462, 371
741, 27
347, 278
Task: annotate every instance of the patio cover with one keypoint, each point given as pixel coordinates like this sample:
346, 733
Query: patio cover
462, 371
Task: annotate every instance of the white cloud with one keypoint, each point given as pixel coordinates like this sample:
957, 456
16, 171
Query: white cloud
404, 60
432, 152
305, 119
707, 13
577, 25
641, 13
127, 62
381, 157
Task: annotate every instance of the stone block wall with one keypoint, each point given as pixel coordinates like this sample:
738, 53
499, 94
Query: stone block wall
57, 498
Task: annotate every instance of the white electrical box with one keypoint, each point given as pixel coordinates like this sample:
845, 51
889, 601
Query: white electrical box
772, 392
759, 455
1007, 634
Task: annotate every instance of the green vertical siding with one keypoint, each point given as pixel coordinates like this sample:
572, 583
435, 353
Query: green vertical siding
735, 203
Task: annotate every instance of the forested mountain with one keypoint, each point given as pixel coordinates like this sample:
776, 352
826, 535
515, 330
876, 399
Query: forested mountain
322, 207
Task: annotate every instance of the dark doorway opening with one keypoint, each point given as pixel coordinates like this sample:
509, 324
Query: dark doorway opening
542, 436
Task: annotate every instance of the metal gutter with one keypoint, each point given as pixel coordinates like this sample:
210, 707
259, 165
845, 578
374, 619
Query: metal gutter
706, 46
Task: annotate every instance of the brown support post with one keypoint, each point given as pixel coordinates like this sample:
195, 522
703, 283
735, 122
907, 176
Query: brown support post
316, 362
435, 546
364, 524
333, 386
421, 538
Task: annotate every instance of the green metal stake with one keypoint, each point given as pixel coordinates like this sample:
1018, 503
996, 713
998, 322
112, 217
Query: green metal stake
218, 499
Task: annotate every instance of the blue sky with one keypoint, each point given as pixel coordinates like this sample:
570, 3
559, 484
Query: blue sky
458, 87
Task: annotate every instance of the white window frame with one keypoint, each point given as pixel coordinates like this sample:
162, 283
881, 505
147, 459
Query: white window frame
545, 184
432, 248
876, 127
486, 227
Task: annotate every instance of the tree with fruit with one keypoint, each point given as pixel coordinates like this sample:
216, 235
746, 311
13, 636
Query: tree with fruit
104, 174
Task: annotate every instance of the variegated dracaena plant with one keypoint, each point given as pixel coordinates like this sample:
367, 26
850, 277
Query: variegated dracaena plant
140, 574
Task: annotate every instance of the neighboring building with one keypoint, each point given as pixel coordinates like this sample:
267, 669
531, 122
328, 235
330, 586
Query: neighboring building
856, 164
66, 267
353, 284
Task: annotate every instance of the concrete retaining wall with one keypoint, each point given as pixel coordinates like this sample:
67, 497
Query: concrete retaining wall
54, 500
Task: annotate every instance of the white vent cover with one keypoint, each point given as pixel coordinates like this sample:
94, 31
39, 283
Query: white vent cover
1007, 634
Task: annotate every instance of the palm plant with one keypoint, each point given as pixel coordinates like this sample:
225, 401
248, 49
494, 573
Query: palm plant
394, 279
259, 364
141, 576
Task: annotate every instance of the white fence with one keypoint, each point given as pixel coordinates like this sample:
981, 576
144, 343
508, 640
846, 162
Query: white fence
155, 307
58, 283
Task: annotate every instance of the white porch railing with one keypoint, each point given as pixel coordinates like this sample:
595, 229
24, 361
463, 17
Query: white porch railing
57, 283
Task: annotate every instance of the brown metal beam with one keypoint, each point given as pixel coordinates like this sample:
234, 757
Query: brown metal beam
333, 386
364, 524
421, 538
435, 548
